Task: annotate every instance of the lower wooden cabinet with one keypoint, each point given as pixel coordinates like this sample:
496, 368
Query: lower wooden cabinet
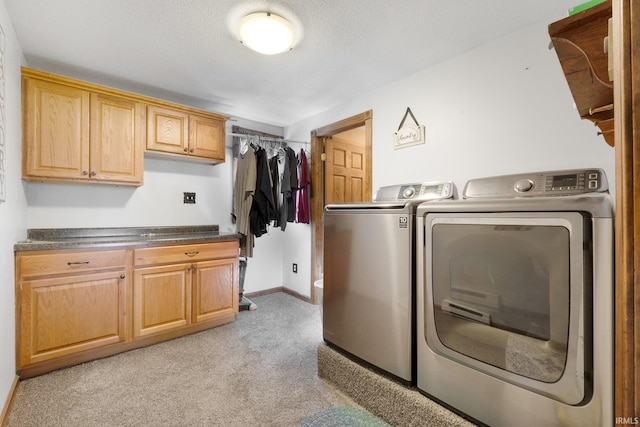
77, 305
161, 298
214, 292
65, 315
68, 302
176, 286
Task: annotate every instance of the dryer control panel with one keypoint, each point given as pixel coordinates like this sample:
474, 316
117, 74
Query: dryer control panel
538, 184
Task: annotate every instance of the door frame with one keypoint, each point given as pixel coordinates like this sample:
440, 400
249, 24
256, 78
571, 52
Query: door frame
318, 179
626, 97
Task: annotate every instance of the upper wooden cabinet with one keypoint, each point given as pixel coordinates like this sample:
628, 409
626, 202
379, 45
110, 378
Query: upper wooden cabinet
167, 130
116, 133
77, 134
175, 131
581, 43
206, 137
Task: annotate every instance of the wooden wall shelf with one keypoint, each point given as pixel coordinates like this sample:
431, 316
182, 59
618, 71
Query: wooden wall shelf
579, 41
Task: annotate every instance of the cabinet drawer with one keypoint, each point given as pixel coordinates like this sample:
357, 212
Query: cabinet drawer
185, 253
70, 262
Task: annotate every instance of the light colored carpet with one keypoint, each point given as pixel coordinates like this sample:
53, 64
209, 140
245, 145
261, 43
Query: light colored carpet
339, 416
396, 404
258, 371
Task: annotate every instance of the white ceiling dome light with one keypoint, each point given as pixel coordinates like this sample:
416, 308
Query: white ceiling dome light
266, 33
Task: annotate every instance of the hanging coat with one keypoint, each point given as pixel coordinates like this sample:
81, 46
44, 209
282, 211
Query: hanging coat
263, 203
290, 185
275, 190
302, 205
244, 188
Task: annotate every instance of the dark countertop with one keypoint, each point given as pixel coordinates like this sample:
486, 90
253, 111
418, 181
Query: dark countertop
75, 238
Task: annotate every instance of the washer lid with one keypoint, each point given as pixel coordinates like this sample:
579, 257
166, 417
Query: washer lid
421, 191
370, 206
401, 196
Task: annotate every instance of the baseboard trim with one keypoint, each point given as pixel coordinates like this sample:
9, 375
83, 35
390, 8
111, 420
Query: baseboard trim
276, 290
9, 402
264, 292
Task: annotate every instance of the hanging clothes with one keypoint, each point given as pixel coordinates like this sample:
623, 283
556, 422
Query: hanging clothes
263, 203
277, 165
243, 192
302, 205
289, 186
275, 190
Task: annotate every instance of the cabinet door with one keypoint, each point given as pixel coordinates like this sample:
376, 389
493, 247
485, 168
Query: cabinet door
167, 130
116, 139
161, 299
56, 130
65, 315
206, 137
215, 289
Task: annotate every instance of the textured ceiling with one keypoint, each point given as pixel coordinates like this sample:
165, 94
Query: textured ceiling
186, 50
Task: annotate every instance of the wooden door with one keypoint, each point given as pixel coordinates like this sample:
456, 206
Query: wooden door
215, 289
206, 137
56, 130
161, 298
319, 186
345, 170
65, 315
167, 130
116, 139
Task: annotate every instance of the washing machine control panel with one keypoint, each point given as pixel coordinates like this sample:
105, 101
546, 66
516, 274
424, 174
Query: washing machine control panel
551, 183
415, 191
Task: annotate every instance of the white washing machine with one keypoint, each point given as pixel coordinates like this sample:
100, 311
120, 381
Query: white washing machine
515, 300
369, 276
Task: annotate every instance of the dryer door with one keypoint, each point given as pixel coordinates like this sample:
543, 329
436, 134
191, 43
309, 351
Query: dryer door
506, 296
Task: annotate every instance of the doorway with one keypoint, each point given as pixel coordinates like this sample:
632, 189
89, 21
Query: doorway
340, 172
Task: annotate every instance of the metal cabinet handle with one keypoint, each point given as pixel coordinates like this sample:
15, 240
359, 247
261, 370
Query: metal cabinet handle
85, 173
186, 149
191, 150
78, 263
93, 173
122, 277
192, 253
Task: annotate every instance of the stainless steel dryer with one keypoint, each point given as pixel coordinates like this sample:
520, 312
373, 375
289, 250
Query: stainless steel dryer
514, 300
369, 276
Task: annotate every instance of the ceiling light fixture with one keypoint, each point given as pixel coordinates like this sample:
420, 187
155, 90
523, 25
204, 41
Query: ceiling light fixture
266, 33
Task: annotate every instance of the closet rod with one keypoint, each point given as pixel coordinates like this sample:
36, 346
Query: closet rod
268, 138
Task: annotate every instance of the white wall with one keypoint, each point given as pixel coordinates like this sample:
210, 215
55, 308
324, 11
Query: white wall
502, 108
158, 202
13, 221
